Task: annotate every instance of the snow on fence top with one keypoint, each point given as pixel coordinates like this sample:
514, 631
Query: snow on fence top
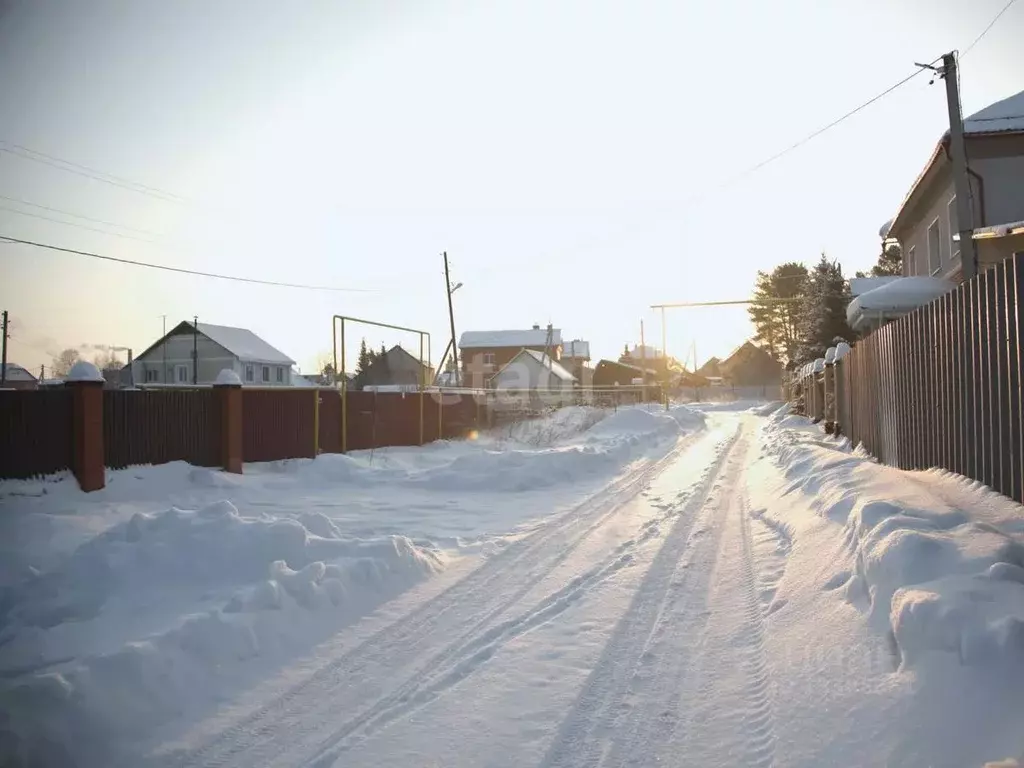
895, 299
228, 377
830, 355
83, 370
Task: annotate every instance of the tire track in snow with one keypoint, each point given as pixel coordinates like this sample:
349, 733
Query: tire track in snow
602, 724
289, 729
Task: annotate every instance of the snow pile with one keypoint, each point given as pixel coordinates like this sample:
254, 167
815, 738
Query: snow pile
933, 559
612, 441
169, 612
553, 427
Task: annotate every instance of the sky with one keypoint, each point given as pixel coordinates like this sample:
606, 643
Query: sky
578, 160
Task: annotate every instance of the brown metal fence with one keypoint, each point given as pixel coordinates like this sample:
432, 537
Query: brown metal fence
35, 432
158, 426
278, 424
941, 386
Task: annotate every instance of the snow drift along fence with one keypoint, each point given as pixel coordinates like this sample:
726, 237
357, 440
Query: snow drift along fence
155, 427
941, 386
35, 432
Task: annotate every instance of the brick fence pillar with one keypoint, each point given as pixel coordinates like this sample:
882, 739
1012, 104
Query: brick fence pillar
86, 385
228, 390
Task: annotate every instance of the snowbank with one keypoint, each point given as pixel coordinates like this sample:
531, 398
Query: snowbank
116, 653
931, 562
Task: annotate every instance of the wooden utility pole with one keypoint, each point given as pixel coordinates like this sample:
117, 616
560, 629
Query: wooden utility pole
3, 358
451, 320
961, 181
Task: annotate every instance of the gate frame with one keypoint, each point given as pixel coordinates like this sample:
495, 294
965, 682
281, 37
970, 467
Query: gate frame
344, 379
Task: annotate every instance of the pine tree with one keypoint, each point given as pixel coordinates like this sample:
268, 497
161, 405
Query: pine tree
776, 322
365, 360
890, 262
823, 311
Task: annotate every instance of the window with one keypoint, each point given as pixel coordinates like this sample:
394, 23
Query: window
280, 375
152, 375
249, 376
934, 244
488, 358
181, 373
954, 227
266, 373
912, 260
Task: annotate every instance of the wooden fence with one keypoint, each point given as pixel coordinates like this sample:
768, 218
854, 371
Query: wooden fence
941, 386
38, 428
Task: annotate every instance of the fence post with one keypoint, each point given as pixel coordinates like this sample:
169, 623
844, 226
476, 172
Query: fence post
228, 391
86, 383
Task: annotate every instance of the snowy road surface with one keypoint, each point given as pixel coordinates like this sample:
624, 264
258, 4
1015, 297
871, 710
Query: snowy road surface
727, 588
626, 632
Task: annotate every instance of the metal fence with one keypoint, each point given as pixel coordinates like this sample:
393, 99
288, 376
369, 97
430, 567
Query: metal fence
941, 386
155, 427
35, 434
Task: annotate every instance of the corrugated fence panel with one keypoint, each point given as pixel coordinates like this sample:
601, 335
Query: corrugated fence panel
158, 426
278, 424
35, 432
1014, 284
330, 421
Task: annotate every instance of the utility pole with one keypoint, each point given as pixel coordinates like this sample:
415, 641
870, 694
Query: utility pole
451, 320
961, 181
164, 343
195, 349
664, 357
3, 359
643, 364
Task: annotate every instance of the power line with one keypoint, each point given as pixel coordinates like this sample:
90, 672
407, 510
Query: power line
986, 29
75, 224
90, 173
182, 270
79, 216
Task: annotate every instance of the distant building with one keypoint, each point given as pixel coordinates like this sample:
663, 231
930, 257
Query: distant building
18, 378
532, 370
395, 368
609, 373
170, 359
484, 353
748, 366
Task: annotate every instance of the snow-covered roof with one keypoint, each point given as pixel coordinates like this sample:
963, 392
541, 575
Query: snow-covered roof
533, 337
545, 361
861, 285
244, 344
895, 299
883, 231
17, 373
576, 348
1005, 115
996, 230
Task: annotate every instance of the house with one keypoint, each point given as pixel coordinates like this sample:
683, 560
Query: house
609, 373
750, 366
531, 369
199, 352
484, 353
575, 359
926, 223
711, 369
16, 377
396, 367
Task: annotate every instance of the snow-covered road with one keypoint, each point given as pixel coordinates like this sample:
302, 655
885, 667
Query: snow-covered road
735, 589
594, 640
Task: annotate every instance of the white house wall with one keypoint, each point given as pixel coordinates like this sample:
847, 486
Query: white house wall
213, 358
527, 373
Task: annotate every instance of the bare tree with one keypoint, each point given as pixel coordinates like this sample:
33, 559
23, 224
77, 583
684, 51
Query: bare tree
107, 361
62, 363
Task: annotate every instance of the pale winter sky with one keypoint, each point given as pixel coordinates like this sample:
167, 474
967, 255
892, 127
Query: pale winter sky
571, 156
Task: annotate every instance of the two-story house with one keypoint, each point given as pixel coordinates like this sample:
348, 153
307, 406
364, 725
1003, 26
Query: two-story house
926, 224
484, 353
197, 353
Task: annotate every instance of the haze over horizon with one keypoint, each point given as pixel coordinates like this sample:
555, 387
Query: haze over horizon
575, 160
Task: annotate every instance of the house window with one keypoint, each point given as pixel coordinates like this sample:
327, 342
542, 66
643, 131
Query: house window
934, 244
912, 261
266, 373
181, 373
280, 375
488, 358
954, 227
249, 375
152, 375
